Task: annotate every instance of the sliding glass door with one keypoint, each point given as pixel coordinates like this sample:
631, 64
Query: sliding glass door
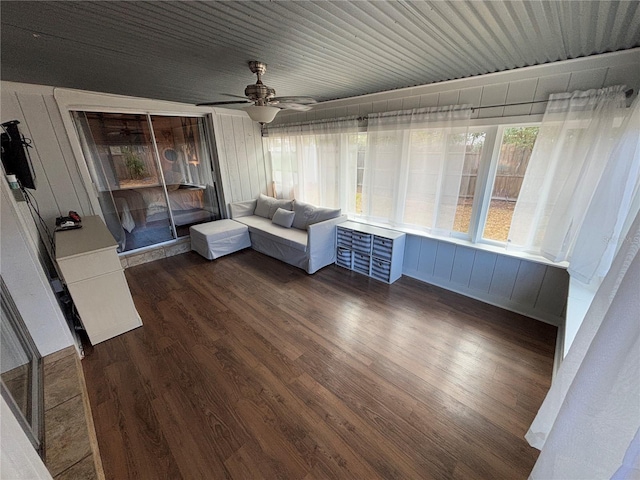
21, 367
152, 174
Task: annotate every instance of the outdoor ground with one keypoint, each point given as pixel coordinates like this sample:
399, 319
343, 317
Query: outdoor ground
498, 220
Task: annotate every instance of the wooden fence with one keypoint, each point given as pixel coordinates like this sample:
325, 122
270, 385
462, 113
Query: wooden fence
511, 169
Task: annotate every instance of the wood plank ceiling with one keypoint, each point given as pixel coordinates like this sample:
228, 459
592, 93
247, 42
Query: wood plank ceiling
198, 51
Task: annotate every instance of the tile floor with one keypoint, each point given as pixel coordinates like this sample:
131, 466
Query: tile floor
68, 426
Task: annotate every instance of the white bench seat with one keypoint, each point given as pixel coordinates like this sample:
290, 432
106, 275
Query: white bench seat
216, 239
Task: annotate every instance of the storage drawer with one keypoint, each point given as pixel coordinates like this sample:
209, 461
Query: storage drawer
382, 247
361, 263
361, 242
93, 264
343, 257
344, 237
380, 270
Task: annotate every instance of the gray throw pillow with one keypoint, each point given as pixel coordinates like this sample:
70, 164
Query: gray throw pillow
307, 214
263, 205
283, 217
301, 210
276, 204
321, 214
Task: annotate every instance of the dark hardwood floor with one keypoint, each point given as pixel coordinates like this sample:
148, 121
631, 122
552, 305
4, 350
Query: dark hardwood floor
247, 368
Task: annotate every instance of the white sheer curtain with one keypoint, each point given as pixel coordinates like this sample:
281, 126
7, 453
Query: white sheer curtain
588, 424
612, 201
413, 167
315, 162
576, 139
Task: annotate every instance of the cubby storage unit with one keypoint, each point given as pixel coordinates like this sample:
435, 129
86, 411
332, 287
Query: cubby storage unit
373, 251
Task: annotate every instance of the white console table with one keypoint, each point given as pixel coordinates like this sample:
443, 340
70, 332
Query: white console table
377, 252
90, 267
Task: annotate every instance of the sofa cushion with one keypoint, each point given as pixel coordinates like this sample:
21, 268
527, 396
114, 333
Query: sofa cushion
280, 203
262, 206
267, 206
307, 214
242, 209
283, 217
291, 237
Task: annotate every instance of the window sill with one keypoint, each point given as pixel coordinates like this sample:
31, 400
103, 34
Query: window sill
466, 243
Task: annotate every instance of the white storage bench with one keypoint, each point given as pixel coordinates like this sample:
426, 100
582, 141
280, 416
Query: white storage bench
215, 239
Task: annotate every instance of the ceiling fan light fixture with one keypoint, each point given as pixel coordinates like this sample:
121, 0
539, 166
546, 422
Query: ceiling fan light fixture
261, 113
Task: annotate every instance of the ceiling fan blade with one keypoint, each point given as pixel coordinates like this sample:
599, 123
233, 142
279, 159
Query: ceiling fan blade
207, 104
234, 96
298, 100
294, 106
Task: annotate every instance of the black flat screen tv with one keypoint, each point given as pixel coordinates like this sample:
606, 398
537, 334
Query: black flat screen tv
15, 157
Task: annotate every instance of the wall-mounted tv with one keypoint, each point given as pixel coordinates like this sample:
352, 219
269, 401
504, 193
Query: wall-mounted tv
15, 157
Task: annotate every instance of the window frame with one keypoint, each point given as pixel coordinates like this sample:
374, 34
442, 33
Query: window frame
487, 191
481, 181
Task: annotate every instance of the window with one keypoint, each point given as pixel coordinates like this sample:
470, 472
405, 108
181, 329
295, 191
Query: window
360, 140
473, 153
431, 153
515, 151
416, 177
318, 164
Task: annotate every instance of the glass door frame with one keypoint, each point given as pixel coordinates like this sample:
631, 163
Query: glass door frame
208, 157
68, 100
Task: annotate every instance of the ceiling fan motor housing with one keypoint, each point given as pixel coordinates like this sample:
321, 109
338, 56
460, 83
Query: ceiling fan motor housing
259, 91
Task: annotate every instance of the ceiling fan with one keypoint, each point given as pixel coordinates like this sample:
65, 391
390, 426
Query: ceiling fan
265, 103
124, 132
120, 127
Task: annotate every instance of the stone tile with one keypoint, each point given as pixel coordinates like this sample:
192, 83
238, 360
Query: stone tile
137, 259
85, 469
124, 262
61, 381
145, 257
67, 438
177, 249
55, 356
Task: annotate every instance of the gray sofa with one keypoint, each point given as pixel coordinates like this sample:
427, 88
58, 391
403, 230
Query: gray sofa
295, 232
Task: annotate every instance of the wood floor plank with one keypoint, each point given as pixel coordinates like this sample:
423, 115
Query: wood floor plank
148, 454
248, 368
301, 425
390, 462
388, 418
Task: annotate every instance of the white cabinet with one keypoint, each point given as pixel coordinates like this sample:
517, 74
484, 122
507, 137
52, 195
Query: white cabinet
90, 267
377, 252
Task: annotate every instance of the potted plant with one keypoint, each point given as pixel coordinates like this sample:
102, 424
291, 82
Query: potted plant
135, 166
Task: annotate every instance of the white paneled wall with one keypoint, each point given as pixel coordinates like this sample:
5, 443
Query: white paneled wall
243, 168
59, 186
27, 282
533, 289
523, 85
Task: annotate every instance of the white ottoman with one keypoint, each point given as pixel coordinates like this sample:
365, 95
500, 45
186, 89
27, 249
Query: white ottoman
215, 239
